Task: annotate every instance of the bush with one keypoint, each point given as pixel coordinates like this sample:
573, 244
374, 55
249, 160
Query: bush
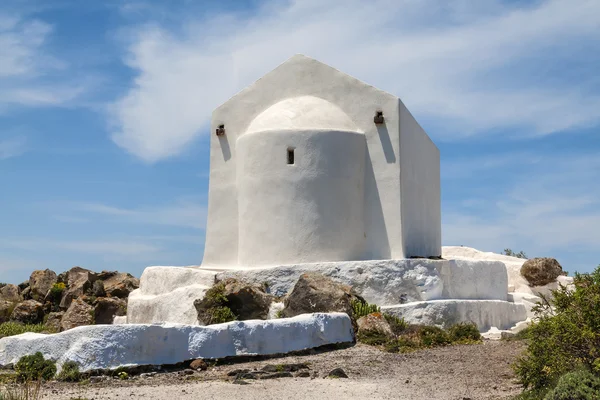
432, 336
215, 302
509, 252
70, 372
362, 309
464, 332
34, 367
403, 344
56, 292
579, 385
566, 337
398, 325
26, 391
372, 338
15, 328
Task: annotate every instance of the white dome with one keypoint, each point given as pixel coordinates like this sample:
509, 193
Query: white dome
304, 112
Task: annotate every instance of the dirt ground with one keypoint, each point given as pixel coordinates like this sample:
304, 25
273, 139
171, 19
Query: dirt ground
456, 372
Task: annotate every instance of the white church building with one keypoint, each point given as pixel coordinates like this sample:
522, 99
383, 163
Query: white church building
309, 164
312, 170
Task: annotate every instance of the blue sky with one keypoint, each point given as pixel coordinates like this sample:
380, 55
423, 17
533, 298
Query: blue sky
104, 111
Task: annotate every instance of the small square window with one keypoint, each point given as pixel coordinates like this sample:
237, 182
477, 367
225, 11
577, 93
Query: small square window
290, 156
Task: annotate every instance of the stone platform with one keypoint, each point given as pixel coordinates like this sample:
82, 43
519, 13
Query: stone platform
471, 290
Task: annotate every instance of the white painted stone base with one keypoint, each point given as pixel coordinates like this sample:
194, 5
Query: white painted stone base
167, 294
112, 346
444, 313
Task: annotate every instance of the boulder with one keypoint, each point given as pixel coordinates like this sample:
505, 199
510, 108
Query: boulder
80, 281
26, 293
374, 323
107, 308
28, 312
199, 364
120, 285
98, 289
53, 321
23, 285
79, 313
6, 308
315, 293
541, 271
40, 283
11, 293
245, 301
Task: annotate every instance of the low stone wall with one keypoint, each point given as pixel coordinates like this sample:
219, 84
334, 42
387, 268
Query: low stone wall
111, 346
485, 314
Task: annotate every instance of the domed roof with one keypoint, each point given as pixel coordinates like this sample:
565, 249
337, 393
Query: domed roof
304, 112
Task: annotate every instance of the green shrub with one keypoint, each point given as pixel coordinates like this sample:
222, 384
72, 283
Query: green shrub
372, 338
26, 391
433, 336
214, 305
219, 315
398, 325
15, 328
70, 372
403, 344
34, 367
578, 385
509, 252
361, 309
566, 337
464, 332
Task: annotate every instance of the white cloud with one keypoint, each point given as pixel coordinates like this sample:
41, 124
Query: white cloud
12, 147
453, 63
30, 75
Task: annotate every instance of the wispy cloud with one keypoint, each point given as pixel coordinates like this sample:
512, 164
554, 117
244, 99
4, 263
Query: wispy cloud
30, 74
123, 247
12, 147
187, 213
463, 64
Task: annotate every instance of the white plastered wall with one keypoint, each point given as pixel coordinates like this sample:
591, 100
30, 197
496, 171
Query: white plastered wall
303, 76
420, 188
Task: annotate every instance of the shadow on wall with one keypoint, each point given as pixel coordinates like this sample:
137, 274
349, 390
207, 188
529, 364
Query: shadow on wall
377, 245
225, 147
386, 143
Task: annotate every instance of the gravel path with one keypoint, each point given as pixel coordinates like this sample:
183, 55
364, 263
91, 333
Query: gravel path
456, 372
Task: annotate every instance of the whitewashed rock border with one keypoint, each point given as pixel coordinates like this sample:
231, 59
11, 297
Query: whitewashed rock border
112, 346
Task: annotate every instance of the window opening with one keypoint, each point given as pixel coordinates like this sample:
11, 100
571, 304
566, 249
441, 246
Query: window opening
290, 156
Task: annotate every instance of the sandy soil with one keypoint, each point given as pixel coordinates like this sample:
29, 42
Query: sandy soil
457, 372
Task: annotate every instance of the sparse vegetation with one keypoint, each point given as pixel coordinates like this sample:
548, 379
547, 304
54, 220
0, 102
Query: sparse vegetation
464, 333
361, 309
15, 328
26, 391
509, 252
70, 372
56, 292
216, 306
565, 339
34, 367
398, 325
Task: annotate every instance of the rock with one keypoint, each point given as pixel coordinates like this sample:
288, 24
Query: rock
80, 281
53, 320
276, 375
11, 293
507, 335
26, 293
40, 283
28, 312
237, 372
106, 308
98, 289
541, 271
337, 373
6, 308
63, 277
285, 367
98, 379
244, 300
199, 364
303, 374
79, 313
120, 284
374, 322
23, 285
318, 293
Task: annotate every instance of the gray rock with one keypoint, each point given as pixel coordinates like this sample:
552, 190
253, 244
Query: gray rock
40, 283
106, 308
6, 308
28, 312
80, 282
11, 293
120, 285
54, 319
79, 313
337, 373
317, 293
541, 271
